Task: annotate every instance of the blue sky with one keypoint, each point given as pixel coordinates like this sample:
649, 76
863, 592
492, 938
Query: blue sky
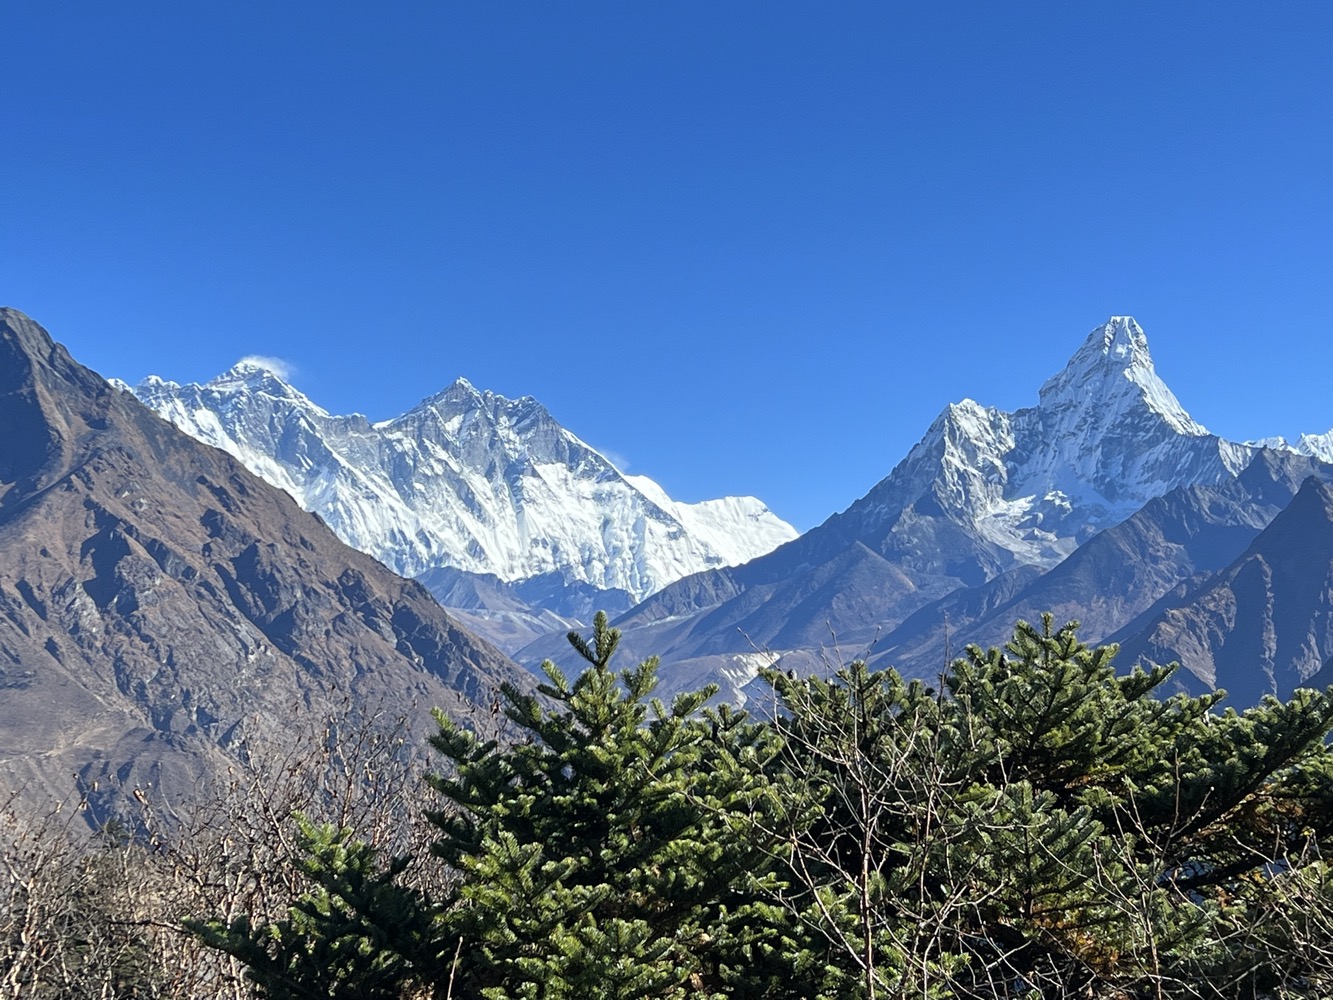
746, 247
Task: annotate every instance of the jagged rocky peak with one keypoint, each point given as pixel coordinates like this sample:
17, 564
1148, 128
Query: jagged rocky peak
462, 398
1318, 446
252, 376
259, 376
1108, 391
964, 449
1026, 487
458, 393
1123, 337
469, 480
1118, 345
254, 366
1113, 372
480, 426
971, 429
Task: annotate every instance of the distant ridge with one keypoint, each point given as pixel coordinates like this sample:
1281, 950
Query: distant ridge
1262, 625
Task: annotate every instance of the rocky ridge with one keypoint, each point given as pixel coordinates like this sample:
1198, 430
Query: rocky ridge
160, 605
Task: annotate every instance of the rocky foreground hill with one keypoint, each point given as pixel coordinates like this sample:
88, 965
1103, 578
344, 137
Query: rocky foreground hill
162, 607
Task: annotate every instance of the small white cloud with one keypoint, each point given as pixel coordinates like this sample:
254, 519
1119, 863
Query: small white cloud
283, 369
621, 462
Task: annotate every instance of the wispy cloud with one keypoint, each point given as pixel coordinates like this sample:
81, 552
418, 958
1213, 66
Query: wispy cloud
620, 461
283, 369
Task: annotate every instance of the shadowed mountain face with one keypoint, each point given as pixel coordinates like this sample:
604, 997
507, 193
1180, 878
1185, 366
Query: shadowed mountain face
1116, 575
159, 603
1261, 625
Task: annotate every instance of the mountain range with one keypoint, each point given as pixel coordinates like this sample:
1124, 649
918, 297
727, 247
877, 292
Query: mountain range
1094, 503
469, 482
163, 602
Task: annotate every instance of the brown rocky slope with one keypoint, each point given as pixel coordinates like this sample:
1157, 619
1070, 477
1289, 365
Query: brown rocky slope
160, 605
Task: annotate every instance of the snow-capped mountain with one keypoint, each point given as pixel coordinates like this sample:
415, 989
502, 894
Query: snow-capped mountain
468, 480
1318, 446
1105, 437
985, 495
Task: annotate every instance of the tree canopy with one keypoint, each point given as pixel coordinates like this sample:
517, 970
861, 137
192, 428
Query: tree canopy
1036, 825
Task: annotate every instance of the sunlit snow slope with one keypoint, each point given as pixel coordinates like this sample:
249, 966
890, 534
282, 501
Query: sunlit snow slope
1106, 437
468, 480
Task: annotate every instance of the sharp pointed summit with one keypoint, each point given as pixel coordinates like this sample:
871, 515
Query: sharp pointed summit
1112, 374
460, 390
1106, 436
246, 381
1122, 337
985, 495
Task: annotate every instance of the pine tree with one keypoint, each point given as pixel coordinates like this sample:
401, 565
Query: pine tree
1046, 826
356, 933
1040, 826
597, 852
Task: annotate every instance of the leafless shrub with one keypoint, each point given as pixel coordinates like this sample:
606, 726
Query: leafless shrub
102, 914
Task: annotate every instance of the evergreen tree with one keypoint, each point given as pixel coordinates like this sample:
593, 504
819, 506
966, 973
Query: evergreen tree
1044, 826
1040, 826
598, 856
357, 933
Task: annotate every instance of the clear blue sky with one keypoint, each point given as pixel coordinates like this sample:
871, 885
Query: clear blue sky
747, 247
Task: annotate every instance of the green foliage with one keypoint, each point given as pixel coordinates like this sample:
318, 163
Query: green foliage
1047, 823
599, 856
355, 934
1040, 826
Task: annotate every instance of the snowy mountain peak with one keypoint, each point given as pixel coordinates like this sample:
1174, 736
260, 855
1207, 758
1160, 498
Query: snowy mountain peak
458, 394
247, 380
967, 434
152, 383
466, 479
964, 412
250, 374
1105, 437
1318, 446
1113, 374
1122, 337
461, 390
461, 396
481, 423
255, 367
